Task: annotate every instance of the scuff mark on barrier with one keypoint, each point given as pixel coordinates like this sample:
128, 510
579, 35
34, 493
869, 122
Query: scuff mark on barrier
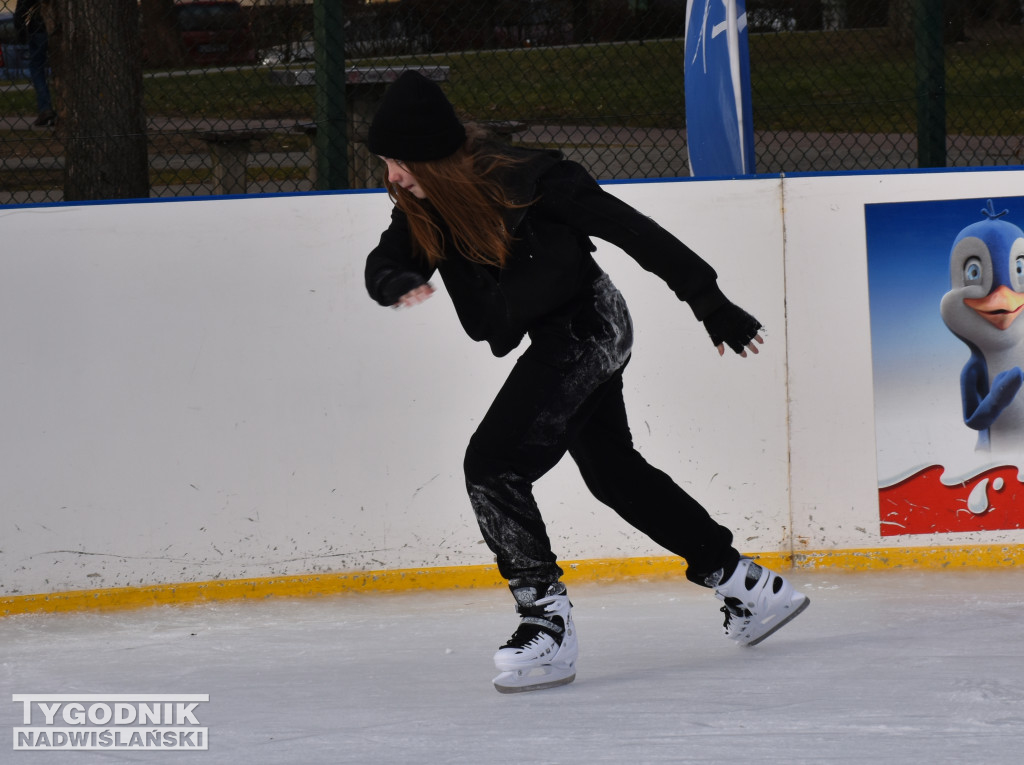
425, 485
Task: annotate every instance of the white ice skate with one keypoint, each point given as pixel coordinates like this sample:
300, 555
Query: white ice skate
542, 651
757, 603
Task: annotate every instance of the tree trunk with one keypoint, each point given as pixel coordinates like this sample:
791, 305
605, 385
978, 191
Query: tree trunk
96, 61
161, 40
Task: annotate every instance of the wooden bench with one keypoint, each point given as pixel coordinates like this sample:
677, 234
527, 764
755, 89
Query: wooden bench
229, 158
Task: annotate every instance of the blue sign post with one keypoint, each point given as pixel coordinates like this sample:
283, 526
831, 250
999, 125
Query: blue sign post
719, 119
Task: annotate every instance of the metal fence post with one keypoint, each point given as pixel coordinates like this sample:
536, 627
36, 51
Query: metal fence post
331, 123
931, 83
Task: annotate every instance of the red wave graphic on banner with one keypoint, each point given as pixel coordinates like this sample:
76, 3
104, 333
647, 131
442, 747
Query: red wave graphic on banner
921, 504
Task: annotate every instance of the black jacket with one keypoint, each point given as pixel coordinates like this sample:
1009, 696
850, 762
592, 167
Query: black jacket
550, 262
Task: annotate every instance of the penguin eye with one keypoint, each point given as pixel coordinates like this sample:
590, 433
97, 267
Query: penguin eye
972, 270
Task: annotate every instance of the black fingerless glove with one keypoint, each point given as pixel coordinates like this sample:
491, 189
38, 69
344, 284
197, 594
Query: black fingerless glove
733, 326
396, 284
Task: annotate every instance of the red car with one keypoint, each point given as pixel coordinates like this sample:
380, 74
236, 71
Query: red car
216, 32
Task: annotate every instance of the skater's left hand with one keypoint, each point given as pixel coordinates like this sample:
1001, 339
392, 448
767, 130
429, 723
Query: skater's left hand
750, 346
731, 325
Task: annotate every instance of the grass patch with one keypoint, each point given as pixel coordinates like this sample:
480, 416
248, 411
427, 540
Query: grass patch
256, 176
53, 179
839, 81
244, 94
850, 80
36, 179
857, 80
861, 81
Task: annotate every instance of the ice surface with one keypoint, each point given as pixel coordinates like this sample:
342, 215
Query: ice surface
894, 667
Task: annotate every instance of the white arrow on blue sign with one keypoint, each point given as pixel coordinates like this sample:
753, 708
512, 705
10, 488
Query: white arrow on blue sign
719, 122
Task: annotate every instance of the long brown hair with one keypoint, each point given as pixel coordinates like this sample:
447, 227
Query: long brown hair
463, 189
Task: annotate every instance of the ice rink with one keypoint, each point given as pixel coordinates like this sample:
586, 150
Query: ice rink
895, 667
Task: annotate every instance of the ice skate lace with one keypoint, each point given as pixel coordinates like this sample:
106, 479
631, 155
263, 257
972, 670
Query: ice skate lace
528, 634
535, 623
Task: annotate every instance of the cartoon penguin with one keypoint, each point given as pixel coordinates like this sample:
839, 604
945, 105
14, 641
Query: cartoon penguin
983, 308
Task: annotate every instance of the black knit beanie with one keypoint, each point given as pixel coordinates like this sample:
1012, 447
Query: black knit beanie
415, 122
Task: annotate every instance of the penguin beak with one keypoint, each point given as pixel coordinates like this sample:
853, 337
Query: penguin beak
999, 308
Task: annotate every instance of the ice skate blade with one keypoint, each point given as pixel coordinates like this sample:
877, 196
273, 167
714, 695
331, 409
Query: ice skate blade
799, 610
514, 682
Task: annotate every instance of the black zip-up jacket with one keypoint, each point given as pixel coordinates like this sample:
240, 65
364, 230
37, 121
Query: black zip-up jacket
550, 263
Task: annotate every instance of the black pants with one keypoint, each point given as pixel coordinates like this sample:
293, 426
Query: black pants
564, 394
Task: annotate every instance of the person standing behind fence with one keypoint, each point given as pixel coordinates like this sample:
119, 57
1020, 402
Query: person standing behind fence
28, 19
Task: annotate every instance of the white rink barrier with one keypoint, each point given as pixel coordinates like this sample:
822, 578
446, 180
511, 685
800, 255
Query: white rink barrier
200, 390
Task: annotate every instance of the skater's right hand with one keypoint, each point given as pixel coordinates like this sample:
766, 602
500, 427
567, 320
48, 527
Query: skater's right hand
414, 296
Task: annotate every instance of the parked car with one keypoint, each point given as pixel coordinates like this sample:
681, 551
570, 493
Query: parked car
13, 54
381, 34
216, 32
299, 51
361, 39
783, 15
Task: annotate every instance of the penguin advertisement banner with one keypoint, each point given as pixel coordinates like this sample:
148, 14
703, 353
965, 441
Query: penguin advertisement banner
946, 283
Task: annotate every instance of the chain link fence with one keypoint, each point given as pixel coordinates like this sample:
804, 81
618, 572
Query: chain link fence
265, 96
